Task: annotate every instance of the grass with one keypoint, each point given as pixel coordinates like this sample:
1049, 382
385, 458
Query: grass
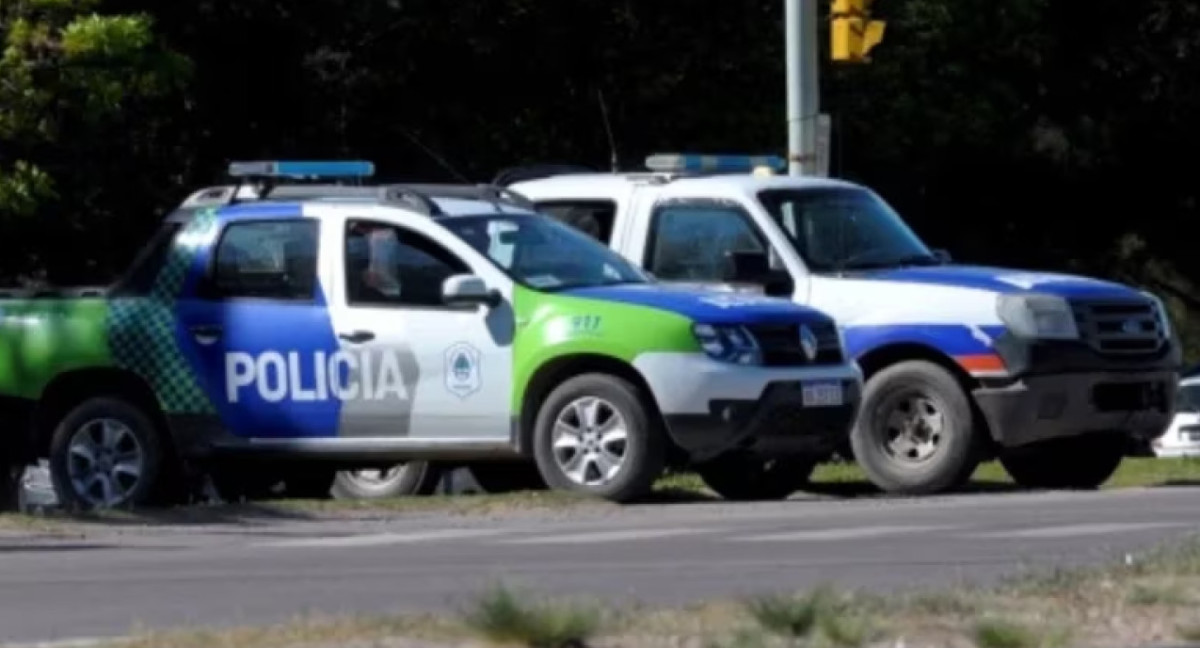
503, 616
1145, 601
834, 480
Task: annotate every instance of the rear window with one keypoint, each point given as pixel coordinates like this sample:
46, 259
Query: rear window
139, 278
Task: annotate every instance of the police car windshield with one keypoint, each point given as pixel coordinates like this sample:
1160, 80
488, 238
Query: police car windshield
836, 229
539, 252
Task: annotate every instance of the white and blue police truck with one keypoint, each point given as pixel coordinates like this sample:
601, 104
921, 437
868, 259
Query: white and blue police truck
1057, 376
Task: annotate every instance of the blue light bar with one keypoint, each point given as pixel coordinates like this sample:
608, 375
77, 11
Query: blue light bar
303, 169
680, 162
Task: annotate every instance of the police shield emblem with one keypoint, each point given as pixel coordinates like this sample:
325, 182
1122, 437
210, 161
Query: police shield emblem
462, 369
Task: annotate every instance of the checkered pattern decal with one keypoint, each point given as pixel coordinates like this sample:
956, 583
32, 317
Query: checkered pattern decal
141, 331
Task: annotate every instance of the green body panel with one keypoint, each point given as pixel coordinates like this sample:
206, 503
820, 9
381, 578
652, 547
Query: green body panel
551, 326
42, 338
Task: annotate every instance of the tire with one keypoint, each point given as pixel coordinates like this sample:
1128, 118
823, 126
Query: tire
115, 425
642, 452
956, 453
744, 477
1071, 463
407, 479
496, 477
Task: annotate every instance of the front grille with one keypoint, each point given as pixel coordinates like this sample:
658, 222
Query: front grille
1120, 327
780, 344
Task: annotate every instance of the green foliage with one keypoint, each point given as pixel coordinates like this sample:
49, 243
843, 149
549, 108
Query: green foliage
500, 615
820, 617
1027, 133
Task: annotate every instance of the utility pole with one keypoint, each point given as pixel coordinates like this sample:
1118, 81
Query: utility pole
803, 89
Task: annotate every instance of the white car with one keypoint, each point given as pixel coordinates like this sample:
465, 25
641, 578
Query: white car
1182, 439
1058, 376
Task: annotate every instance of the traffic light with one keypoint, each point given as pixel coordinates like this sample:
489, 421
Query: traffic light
852, 34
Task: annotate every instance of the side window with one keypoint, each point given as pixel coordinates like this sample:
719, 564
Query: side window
689, 242
392, 266
592, 217
267, 260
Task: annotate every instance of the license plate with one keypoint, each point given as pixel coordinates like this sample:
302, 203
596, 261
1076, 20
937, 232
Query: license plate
822, 394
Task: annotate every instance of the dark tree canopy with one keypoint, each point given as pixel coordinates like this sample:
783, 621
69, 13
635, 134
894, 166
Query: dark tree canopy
1046, 134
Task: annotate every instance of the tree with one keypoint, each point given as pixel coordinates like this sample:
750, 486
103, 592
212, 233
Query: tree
70, 79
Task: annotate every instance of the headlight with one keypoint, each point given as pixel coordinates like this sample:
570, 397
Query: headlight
728, 343
1164, 316
1045, 317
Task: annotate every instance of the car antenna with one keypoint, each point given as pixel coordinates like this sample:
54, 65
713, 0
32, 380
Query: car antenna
612, 143
436, 158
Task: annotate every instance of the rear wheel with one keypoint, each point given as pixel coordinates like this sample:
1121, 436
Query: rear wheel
107, 454
915, 434
745, 477
596, 434
1082, 462
405, 479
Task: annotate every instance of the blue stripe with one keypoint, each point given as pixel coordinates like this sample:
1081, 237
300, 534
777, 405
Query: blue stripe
991, 279
706, 306
951, 339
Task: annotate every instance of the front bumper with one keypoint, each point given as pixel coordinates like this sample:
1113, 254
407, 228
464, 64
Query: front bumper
1060, 389
712, 407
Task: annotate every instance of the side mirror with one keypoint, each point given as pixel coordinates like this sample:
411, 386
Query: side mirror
749, 267
468, 290
755, 268
943, 256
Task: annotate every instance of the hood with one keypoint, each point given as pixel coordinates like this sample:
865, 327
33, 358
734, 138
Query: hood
1004, 280
704, 305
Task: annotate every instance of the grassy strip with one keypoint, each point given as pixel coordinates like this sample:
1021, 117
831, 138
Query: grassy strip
836, 480
1143, 600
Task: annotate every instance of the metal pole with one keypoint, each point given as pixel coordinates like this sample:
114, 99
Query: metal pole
803, 88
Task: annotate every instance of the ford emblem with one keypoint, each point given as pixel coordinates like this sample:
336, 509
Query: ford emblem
808, 342
1131, 326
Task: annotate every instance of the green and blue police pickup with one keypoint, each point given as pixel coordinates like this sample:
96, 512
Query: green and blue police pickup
311, 328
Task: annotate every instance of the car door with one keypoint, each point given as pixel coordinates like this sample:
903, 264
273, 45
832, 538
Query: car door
254, 326
430, 372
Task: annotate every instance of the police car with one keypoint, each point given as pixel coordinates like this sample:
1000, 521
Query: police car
342, 325
1057, 375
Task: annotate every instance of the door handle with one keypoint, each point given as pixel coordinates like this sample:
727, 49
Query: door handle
357, 337
207, 330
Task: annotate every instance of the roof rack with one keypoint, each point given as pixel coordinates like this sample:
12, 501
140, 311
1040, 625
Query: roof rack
276, 180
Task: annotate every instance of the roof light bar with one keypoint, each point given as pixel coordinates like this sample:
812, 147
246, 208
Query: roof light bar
682, 162
303, 169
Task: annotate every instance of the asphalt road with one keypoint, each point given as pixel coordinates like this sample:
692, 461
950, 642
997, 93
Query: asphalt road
264, 570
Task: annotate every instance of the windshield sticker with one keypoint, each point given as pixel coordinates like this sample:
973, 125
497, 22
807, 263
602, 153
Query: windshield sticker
1027, 280
543, 281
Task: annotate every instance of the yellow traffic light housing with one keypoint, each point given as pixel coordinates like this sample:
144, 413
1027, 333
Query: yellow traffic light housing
852, 35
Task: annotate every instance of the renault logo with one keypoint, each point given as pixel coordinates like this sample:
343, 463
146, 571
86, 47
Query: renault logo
808, 342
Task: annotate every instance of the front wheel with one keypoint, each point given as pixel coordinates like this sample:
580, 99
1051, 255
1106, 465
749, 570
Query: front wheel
1082, 462
596, 434
915, 434
107, 454
744, 477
